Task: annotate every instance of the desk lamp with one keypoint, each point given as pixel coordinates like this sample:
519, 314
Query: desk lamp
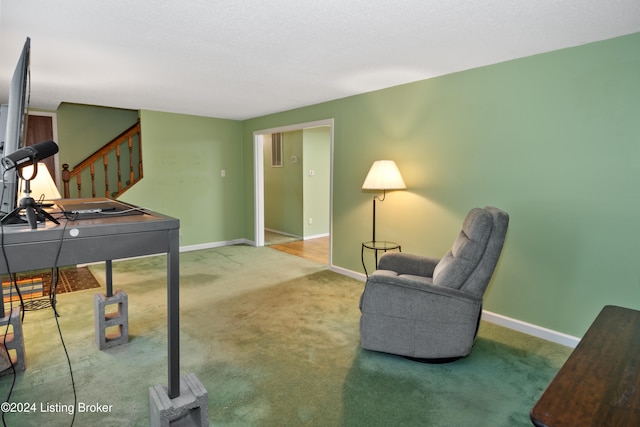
383, 175
19, 160
42, 186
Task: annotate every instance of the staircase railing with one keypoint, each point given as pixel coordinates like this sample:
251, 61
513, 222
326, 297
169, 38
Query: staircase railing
125, 149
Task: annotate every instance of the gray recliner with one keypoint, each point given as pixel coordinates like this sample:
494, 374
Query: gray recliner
428, 308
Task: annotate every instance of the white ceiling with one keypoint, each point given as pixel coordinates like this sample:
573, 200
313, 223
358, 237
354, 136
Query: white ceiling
239, 59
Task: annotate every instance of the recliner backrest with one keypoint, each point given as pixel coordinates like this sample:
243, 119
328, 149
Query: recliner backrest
470, 263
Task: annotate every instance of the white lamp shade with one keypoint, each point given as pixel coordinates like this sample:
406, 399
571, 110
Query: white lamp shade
42, 183
384, 175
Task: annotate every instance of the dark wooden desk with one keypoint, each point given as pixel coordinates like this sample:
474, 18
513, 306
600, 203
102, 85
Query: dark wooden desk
102, 239
599, 385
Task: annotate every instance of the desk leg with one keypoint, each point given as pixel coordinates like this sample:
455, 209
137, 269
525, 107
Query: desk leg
109, 277
173, 313
185, 400
1, 299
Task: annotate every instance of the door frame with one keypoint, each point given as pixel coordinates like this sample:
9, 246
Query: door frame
258, 175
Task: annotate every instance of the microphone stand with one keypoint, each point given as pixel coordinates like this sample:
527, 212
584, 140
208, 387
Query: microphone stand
31, 208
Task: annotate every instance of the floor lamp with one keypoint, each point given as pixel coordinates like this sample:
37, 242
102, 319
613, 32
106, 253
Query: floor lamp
383, 175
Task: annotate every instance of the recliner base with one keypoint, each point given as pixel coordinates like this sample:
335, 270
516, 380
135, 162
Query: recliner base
436, 361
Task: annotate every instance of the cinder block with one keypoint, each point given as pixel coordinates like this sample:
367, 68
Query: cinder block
111, 319
191, 408
14, 341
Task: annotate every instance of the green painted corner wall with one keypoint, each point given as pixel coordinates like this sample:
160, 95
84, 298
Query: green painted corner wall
183, 159
316, 175
297, 202
82, 129
283, 189
553, 139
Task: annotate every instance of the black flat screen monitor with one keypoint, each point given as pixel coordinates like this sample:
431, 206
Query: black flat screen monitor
14, 135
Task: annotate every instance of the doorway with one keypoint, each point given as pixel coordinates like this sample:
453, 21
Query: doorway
42, 126
260, 139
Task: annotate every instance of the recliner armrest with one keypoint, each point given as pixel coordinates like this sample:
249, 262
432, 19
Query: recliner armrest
405, 263
417, 287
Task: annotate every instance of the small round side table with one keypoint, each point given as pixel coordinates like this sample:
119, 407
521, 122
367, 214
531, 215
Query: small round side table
378, 246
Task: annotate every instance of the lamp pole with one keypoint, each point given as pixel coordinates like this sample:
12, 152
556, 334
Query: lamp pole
374, 220
384, 194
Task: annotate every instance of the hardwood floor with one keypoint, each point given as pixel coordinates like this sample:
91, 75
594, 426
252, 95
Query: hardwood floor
314, 249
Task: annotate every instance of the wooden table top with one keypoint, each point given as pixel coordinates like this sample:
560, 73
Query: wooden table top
599, 385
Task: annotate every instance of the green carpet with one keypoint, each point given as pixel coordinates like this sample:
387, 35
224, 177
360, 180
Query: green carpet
274, 339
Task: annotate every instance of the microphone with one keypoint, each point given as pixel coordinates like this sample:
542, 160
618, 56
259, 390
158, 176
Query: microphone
29, 155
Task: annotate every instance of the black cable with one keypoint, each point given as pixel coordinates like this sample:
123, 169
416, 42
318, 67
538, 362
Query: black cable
6, 331
14, 282
55, 278
54, 285
73, 216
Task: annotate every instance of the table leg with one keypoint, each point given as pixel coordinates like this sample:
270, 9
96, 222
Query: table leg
2, 313
173, 313
362, 259
109, 277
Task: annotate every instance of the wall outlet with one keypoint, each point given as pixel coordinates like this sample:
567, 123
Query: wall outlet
223, 173
310, 221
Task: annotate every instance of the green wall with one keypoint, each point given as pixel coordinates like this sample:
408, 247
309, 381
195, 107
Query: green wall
82, 129
183, 158
283, 189
292, 195
552, 139
317, 188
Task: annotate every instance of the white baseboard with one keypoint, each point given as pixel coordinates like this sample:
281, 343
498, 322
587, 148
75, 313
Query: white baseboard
316, 236
184, 249
349, 273
211, 245
531, 329
284, 233
498, 319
